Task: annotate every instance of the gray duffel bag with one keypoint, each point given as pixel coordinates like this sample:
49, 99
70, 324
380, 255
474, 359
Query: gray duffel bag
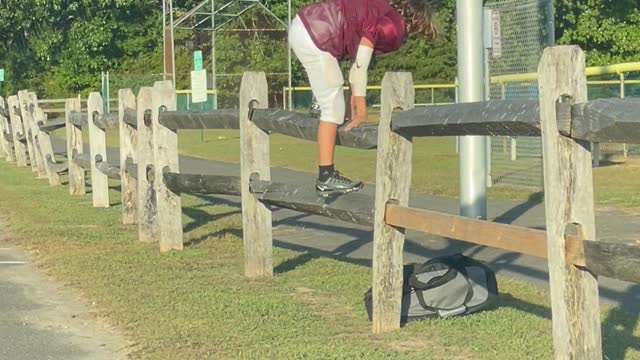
443, 287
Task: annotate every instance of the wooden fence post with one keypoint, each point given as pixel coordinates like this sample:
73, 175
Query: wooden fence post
77, 182
30, 105
255, 162
128, 150
27, 124
148, 230
568, 185
43, 145
17, 130
165, 153
97, 146
393, 180
5, 128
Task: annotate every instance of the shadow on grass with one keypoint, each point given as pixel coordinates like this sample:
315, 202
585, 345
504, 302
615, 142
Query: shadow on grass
308, 254
610, 160
517, 211
617, 331
201, 217
220, 233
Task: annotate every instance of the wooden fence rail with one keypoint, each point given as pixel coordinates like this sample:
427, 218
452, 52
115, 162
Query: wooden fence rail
152, 182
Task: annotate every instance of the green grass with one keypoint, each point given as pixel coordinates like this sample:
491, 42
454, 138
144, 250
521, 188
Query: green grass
196, 304
435, 165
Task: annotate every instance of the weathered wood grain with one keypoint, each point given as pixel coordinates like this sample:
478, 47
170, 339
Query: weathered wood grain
17, 131
26, 111
112, 172
130, 116
132, 170
354, 208
254, 162
97, 148
5, 128
56, 167
4, 111
51, 126
83, 160
211, 119
4, 143
305, 127
493, 118
74, 146
37, 115
202, 184
128, 153
393, 180
45, 149
165, 152
148, 229
78, 118
607, 120
615, 260
568, 184
501, 236
107, 121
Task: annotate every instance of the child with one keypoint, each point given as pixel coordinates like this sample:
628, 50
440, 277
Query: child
324, 32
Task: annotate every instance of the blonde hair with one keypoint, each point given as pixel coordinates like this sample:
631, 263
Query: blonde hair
417, 16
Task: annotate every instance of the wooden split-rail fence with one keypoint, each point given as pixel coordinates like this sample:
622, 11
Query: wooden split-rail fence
152, 182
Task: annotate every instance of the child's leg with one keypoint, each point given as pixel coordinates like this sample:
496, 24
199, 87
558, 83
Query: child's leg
327, 133
325, 77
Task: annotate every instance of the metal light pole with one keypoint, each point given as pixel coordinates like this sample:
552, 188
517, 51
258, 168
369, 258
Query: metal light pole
473, 162
551, 23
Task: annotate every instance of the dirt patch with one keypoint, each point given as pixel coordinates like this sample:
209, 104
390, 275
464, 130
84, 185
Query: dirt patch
431, 346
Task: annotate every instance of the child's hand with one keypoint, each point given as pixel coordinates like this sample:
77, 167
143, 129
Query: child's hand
358, 112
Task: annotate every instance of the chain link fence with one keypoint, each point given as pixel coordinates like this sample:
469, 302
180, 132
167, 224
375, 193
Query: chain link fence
525, 27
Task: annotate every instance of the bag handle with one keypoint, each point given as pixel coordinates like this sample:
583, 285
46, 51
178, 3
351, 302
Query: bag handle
453, 271
434, 282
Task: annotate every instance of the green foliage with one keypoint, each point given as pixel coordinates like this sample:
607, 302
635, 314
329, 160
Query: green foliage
609, 31
59, 47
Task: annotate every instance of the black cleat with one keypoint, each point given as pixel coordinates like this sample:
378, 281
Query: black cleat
337, 183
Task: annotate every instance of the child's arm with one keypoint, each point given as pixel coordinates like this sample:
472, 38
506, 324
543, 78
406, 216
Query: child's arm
358, 81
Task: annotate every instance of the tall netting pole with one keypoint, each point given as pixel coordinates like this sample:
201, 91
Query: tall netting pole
289, 59
473, 162
214, 83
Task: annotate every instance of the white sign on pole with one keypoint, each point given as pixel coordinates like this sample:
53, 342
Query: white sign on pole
199, 86
496, 35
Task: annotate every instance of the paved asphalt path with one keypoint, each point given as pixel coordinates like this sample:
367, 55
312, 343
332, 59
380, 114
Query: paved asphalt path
42, 320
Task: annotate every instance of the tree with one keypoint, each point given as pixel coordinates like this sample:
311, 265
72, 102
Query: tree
59, 47
608, 31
